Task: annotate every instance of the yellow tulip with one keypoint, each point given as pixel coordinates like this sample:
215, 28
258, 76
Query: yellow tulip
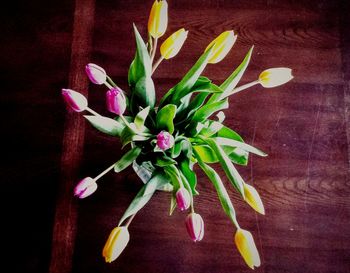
117, 241
246, 247
275, 76
253, 199
172, 45
158, 18
221, 46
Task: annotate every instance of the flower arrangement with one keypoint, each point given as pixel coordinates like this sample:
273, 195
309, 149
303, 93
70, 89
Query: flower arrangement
167, 140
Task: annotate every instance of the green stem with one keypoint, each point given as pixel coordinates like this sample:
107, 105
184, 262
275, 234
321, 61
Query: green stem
104, 172
156, 64
154, 49
109, 79
108, 85
92, 111
130, 220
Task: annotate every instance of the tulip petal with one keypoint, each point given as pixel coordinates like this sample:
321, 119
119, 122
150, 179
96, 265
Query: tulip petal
246, 247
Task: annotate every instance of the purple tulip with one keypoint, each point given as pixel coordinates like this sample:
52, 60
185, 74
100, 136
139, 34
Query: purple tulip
195, 226
96, 74
74, 100
116, 102
165, 140
85, 187
183, 199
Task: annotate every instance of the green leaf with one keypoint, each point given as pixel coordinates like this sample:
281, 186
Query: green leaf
165, 118
188, 80
106, 125
231, 82
221, 191
141, 66
190, 175
174, 175
144, 195
172, 203
127, 159
234, 143
237, 155
141, 118
229, 133
227, 165
205, 153
128, 135
208, 109
164, 160
143, 94
213, 128
182, 144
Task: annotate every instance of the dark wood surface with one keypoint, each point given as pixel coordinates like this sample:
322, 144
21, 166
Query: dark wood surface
303, 126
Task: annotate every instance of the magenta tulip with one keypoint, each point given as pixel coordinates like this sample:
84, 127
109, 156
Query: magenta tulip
165, 140
85, 187
96, 74
74, 100
195, 226
183, 199
116, 102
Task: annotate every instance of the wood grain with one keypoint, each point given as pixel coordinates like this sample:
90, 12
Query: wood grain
303, 126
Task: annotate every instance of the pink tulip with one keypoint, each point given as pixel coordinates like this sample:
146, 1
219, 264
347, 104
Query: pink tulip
85, 187
116, 102
183, 199
74, 100
195, 226
165, 140
96, 74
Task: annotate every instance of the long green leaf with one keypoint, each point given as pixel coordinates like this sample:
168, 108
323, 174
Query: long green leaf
187, 82
227, 165
165, 118
127, 159
208, 109
206, 153
141, 118
144, 195
234, 143
106, 125
190, 175
141, 65
221, 191
231, 82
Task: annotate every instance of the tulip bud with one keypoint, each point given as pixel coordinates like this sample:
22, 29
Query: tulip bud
116, 102
195, 226
96, 74
221, 46
172, 45
85, 187
75, 100
158, 18
165, 140
275, 76
183, 199
253, 199
116, 242
246, 247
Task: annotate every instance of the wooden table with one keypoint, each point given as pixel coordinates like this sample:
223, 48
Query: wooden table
303, 126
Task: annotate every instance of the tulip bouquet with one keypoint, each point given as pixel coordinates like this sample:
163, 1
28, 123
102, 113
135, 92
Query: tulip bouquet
185, 128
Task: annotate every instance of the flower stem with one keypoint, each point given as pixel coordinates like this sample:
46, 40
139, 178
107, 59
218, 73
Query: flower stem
104, 172
92, 111
157, 63
154, 49
110, 81
243, 87
130, 220
109, 86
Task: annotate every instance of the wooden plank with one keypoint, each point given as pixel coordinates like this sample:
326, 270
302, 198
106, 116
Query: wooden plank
64, 229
